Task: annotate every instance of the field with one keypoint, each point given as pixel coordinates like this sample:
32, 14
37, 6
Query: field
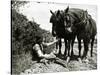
73, 65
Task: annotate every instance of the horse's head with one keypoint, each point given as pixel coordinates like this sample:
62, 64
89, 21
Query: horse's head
68, 20
53, 20
56, 20
75, 20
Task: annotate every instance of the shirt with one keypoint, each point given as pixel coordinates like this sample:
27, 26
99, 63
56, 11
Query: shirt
38, 49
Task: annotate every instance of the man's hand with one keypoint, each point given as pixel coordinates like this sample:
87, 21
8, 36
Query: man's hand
52, 55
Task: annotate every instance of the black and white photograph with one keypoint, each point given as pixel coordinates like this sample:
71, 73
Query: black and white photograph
49, 37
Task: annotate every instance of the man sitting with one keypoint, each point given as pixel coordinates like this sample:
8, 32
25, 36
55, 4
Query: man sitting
40, 56
38, 52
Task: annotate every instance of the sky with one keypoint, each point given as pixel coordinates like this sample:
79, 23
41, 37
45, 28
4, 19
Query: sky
40, 12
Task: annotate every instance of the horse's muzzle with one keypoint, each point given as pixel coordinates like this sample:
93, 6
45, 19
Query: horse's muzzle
54, 33
68, 29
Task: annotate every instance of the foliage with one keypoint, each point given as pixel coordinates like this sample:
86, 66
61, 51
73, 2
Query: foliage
15, 4
24, 34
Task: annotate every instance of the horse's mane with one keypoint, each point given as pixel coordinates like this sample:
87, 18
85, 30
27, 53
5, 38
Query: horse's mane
76, 12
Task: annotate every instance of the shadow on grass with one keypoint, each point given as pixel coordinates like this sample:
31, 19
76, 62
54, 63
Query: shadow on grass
74, 57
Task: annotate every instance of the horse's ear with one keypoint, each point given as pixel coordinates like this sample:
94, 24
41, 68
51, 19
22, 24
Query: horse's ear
51, 12
58, 12
66, 10
86, 11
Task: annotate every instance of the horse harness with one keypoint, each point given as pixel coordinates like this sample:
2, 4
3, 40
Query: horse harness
83, 21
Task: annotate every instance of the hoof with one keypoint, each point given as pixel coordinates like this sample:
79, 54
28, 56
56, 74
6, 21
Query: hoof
55, 53
83, 57
65, 54
79, 59
85, 60
72, 54
59, 54
91, 55
68, 59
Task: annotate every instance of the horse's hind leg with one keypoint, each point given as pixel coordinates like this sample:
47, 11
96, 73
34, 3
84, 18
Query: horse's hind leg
92, 43
68, 46
86, 44
79, 46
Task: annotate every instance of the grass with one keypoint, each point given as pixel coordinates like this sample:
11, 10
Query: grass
24, 61
21, 63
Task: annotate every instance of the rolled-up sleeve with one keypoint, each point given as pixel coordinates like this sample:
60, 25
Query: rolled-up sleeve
39, 52
37, 49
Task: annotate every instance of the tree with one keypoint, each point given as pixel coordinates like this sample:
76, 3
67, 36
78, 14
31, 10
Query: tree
15, 4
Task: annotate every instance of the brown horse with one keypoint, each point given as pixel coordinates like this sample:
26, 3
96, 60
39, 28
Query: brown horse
59, 30
84, 26
55, 21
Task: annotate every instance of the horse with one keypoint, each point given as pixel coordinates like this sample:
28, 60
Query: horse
79, 20
54, 22
58, 28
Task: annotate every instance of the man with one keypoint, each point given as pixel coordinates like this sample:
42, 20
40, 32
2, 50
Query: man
38, 52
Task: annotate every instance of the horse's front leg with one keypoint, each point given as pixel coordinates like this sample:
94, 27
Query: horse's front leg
60, 45
72, 44
68, 58
57, 45
65, 53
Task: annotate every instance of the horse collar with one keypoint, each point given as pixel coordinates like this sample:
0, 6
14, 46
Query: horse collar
83, 21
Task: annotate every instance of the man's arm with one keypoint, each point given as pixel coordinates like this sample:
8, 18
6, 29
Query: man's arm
40, 53
48, 44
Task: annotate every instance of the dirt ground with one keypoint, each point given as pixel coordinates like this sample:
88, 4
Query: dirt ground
73, 65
